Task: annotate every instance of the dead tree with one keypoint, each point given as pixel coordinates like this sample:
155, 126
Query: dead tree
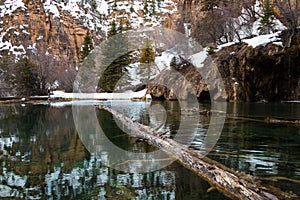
236, 185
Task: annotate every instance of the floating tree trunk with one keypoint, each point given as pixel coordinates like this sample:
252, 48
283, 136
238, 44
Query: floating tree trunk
236, 185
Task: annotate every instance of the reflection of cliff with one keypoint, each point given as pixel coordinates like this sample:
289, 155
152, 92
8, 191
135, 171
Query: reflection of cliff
45, 138
43, 156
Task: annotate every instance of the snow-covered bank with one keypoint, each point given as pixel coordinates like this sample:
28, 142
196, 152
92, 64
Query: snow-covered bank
103, 96
73, 103
260, 40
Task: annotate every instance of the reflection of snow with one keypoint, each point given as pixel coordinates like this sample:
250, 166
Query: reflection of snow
75, 103
80, 178
6, 191
7, 141
102, 178
123, 179
259, 162
12, 180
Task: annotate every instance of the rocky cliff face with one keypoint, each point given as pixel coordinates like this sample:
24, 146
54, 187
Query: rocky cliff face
51, 32
255, 74
263, 73
57, 28
249, 74
32, 30
51, 42
171, 85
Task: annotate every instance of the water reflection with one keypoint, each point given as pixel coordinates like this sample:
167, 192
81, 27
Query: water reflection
42, 155
262, 149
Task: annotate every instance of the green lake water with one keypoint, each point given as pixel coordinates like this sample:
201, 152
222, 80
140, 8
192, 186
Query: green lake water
42, 155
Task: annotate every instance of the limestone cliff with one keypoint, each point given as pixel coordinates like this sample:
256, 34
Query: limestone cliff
262, 73
256, 74
35, 31
51, 32
177, 85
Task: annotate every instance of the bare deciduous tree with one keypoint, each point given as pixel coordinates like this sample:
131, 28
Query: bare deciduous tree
289, 11
226, 21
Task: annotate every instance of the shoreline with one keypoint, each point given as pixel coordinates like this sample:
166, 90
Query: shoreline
59, 96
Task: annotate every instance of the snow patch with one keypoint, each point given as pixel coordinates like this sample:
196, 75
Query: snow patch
25, 32
11, 6
262, 40
102, 7
51, 7
244, 29
163, 61
198, 59
106, 96
6, 191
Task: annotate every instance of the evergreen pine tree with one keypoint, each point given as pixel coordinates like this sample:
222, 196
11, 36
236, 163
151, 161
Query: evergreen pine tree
93, 4
87, 46
267, 21
115, 69
146, 10
121, 27
113, 30
115, 5
127, 25
26, 79
147, 61
158, 3
153, 7
131, 9
173, 63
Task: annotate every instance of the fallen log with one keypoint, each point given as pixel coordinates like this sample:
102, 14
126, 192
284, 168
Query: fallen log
236, 185
268, 120
263, 119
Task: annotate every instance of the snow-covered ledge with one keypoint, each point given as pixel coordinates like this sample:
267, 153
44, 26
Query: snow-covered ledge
103, 96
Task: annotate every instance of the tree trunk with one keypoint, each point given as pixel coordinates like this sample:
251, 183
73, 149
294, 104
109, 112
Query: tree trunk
236, 185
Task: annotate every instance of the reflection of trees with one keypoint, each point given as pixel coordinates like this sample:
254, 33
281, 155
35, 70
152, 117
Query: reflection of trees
49, 156
118, 137
173, 115
46, 138
49, 152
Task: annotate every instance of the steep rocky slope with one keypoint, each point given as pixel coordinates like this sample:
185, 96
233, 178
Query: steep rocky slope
258, 74
51, 34
57, 28
249, 73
